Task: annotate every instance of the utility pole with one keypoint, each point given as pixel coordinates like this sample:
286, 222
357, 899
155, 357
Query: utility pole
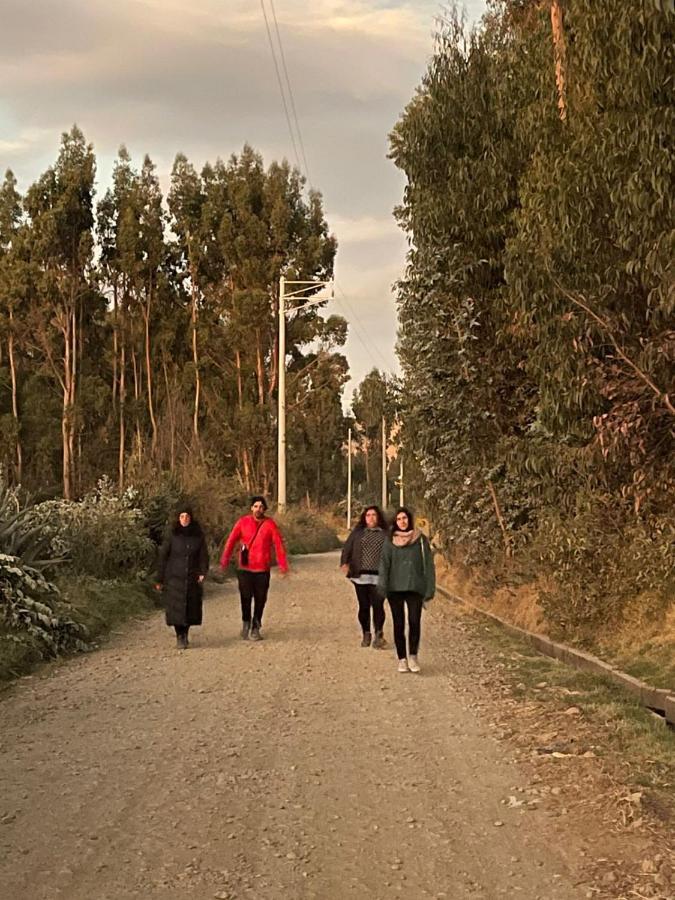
400, 482
349, 479
384, 465
281, 418
298, 291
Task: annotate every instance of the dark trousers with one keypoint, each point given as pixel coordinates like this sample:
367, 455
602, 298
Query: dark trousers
398, 600
370, 599
253, 586
181, 630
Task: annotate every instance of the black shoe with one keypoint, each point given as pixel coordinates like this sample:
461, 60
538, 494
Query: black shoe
255, 633
366, 639
245, 628
182, 642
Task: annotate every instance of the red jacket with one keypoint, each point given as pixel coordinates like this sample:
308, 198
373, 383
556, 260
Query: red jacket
260, 549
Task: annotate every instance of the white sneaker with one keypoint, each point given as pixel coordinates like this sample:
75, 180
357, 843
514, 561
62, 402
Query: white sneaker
403, 665
413, 665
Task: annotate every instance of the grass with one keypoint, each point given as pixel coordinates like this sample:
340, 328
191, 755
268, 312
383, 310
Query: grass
621, 725
99, 605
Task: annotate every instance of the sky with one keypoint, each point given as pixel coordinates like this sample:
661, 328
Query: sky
197, 76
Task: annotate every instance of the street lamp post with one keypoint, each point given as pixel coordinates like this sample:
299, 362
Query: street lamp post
298, 291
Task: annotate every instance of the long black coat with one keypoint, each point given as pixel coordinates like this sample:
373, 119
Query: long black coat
183, 557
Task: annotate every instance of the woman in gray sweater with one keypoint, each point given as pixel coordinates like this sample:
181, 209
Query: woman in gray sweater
407, 578
360, 562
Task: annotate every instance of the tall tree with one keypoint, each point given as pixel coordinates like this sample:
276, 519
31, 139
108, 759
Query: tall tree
59, 205
11, 291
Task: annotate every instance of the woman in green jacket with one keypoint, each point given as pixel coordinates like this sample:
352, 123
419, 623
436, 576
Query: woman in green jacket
407, 578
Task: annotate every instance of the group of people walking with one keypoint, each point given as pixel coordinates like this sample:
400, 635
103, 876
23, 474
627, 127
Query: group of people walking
392, 562
396, 563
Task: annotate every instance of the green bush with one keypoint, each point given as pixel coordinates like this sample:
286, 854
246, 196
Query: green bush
600, 563
33, 612
20, 536
306, 532
103, 535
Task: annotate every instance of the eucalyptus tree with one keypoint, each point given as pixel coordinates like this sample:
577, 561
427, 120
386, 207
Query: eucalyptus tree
60, 210
12, 290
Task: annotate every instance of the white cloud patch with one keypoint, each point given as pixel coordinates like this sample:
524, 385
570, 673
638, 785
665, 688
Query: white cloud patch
197, 76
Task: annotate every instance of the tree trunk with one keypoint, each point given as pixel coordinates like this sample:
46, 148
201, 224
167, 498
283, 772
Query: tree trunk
240, 392
195, 348
122, 435
559, 55
137, 394
148, 370
15, 401
172, 419
72, 422
66, 412
115, 347
259, 367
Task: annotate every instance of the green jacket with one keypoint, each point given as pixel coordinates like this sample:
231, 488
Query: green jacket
409, 568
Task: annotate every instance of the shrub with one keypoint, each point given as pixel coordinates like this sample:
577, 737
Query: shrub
306, 532
600, 563
102, 535
19, 534
33, 612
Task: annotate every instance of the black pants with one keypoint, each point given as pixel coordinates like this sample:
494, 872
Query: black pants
253, 586
181, 630
398, 600
370, 599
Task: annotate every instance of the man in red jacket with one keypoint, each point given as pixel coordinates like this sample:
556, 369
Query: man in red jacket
255, 534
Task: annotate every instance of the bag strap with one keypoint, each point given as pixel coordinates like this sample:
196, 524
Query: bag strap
256, 533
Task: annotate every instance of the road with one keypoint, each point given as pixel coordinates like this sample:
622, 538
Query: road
302, 766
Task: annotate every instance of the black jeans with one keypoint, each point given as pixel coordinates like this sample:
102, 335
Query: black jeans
370, 599
253, 586
181, 630
398, 600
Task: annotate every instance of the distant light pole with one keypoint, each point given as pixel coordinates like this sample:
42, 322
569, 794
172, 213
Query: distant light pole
299, 290
384, 465
349, 479
400, 481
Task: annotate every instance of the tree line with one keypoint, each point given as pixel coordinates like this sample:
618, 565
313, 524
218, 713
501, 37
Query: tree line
138, 332
537, 308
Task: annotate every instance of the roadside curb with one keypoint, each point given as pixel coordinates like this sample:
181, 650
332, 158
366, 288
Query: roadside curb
661, 700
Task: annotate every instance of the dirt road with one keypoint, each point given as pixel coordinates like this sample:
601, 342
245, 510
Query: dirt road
299, 767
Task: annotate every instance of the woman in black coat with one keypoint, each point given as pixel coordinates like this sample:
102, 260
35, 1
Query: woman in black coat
183, 565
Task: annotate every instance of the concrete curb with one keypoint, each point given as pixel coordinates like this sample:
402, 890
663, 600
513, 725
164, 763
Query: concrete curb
660, 699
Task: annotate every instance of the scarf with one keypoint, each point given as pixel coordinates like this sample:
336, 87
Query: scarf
404, 538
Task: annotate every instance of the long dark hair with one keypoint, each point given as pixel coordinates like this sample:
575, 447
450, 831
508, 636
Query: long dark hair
411, 520
381, 522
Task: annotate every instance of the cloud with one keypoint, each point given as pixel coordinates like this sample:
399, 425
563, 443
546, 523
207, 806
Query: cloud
197, 76
24, 141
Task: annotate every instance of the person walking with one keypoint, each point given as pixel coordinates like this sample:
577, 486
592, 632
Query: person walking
360, 561
182, 567
255, 534
407, 578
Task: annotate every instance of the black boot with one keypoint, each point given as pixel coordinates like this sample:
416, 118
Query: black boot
379, 643
366, 639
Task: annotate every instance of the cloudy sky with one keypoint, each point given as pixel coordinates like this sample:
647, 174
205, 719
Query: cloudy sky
197, 76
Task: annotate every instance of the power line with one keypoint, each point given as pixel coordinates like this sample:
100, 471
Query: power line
290, 92
280, 83
361, 333
359, 330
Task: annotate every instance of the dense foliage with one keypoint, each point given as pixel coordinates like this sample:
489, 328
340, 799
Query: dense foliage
537, 309
138, 333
